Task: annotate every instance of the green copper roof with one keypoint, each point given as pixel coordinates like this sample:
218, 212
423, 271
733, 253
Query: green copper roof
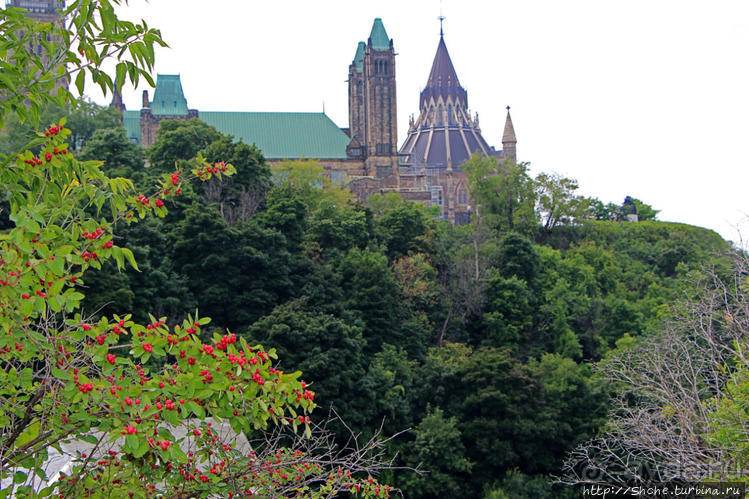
379, 36
359, 56
168, 97
283, 135
131, 120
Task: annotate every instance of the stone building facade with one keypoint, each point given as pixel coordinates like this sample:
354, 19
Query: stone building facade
427, 168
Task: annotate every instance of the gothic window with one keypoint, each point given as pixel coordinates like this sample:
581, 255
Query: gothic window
436, 195
462, 194
358, 88
385, 67
442, 117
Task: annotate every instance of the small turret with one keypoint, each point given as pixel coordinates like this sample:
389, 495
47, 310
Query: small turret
509, 141
117, 101
146, 100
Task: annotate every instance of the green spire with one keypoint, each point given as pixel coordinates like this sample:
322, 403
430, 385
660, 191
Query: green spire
168, 97
359, 56
379, 36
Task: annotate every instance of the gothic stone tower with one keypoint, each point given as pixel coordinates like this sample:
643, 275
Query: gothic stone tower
372, 106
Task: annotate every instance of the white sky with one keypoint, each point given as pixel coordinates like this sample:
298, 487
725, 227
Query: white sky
640, 97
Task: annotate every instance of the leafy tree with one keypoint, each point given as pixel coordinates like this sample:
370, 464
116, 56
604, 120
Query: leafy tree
405, 227
557, 201
324, 347
285, 211
518, 258
237, 274
417, 280
120, 157
439, 451
497, 402
504, 194
644, 211
371, 291
309, 178
390, 380
509, 313
332, 227
600, 211
179, 140
240, 196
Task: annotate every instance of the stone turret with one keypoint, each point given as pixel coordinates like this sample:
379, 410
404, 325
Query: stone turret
117, 101
509, 141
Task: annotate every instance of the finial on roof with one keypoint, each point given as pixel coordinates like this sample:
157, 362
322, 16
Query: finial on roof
441, 18
508, 108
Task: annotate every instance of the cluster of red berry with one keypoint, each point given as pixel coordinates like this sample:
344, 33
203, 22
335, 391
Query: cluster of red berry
93, 235
208, 170
88, 256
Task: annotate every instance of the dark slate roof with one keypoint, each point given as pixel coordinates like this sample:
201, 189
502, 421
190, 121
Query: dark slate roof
378, 36
168, 97
440, 147
283, 135
443, 80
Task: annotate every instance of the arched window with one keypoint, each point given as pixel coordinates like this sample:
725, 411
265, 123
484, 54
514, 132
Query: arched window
462, 194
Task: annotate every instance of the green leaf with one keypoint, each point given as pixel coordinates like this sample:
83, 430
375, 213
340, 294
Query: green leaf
197, 409
80, 81
143, 447
130, 258
132, 442
19, 477
29, 434
90, 439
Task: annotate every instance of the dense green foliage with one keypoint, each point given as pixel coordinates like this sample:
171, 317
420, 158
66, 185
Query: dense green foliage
479, 338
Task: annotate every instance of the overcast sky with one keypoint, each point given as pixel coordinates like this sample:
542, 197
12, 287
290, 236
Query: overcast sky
641, 98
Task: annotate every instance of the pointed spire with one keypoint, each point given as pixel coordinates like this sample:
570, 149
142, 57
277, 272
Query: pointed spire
443, 72
508, 137
443, 80
379, 37
359, 56
117, 100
